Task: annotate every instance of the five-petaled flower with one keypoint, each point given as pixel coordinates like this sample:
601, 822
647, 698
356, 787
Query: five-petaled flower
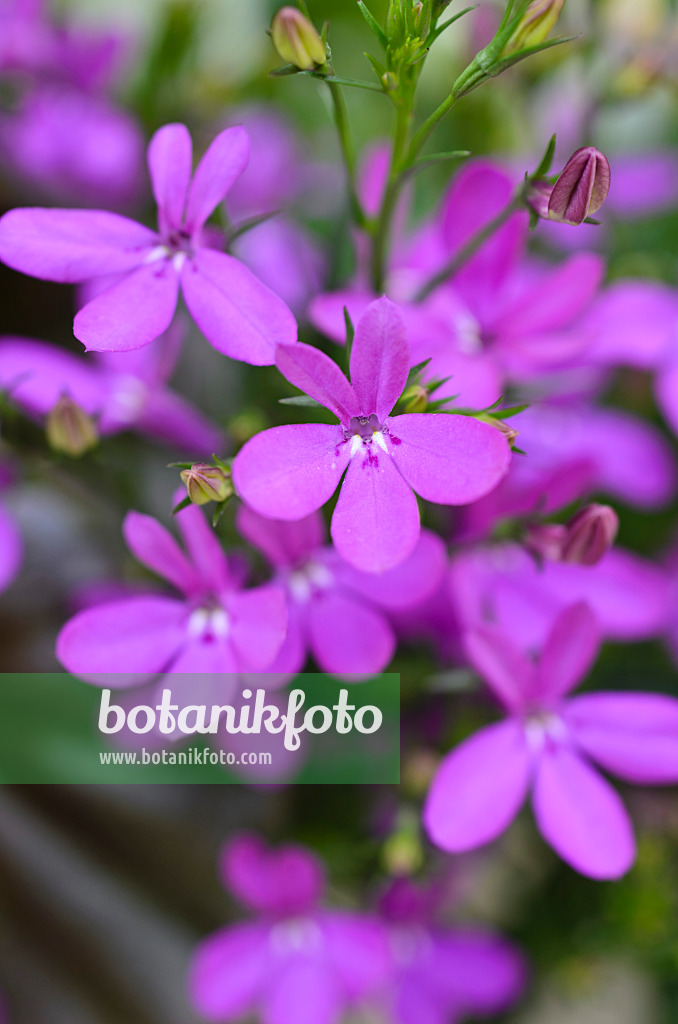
296, 961
289, 471
238, 314
545, 745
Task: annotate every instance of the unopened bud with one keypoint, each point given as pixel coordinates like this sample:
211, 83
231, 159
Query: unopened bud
546, 540
415, 398
582, 187
205, 483
510, 433
297, 40
69, 429
534, 26
590, 535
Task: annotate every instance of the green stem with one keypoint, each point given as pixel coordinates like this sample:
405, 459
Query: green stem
472, 246
382, 226
347, 149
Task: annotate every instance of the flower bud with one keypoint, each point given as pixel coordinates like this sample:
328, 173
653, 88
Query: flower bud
415, 398
534, 26
297, 40
205, 482
509, 432
590, 535
582, 187
546, 540
69, 429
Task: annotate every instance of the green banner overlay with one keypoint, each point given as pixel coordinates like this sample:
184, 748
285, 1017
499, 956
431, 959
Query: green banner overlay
199, 729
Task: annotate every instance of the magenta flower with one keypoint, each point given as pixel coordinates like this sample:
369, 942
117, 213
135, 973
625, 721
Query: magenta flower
445, 974
213, 626
122, 391
295, 963
502, 318
336, 612
290, 471
546, 745
234, 310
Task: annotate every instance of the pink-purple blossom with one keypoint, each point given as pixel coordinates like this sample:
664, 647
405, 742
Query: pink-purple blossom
213, 626
121, 391
290, 471
445, 974
294, 960
337, 613
237, 313
545, 746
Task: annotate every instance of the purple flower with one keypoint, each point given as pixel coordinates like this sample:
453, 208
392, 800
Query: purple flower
290, 471
445, 974
546, 745
295, 963
501, 318
122, 391
213, 626
237, 314
336, 612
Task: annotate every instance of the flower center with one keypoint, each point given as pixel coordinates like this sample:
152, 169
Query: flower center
364, 432
208, 623
177, 246
542, 726
296, 935
128, 399
309, 579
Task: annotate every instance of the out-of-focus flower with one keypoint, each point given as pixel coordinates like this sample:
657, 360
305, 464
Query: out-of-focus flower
290, 471
501, 318
235, 311
214, 626
579, 192
444, 974
337, 612
503, 584
535, 26
587, 537
295, 961
206, 482
296, 39
69, 429
546, 745
124, 391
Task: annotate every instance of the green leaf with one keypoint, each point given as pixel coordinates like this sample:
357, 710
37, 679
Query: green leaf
437, 158
303, 7
377, 67
284, 70
248, 225
513, 410
302, 400
354, 83
546, 160
530, 51
182, 504
439, 29
218, 513
180, 465
592, 220
373, 24
534, 218
350, 335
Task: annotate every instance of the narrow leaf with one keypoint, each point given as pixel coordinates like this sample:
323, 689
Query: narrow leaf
182, 504
373, 24
302, 400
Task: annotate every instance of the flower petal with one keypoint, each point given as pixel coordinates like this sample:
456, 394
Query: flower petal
238, 314
569, 652
555, 299
375, 525
132, 312
229, 971
258, 626
489, 973
303, 990
358, 949
290, 471
478, 788
347, 636
286, 881
318, 376
135, 637
450, 460
155, 547
633, 735
582, 816
223, 162
380, 358
501, 663
283, 543
36, 375
170, 162
72, 245
204, 548
409, 584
